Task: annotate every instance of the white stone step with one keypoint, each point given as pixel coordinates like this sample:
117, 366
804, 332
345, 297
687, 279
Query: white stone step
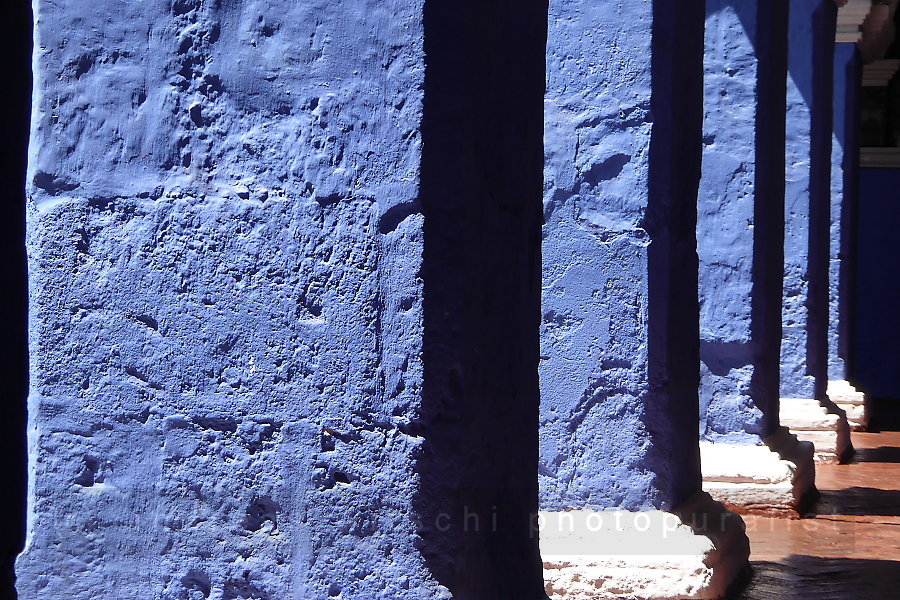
820, 422
806, 414
852, 401
693, 552
776, 478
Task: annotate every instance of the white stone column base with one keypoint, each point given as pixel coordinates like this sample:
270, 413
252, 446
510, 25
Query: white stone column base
852, 401
821, 422
697, 551
777, 478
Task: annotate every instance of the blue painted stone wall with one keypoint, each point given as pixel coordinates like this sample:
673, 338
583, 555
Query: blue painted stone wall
877, 287
740, 227
844, 199
619, 331
807, 188
257, 370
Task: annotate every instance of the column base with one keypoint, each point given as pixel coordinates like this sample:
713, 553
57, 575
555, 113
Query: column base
776, 479
820, 422
698, 551
853, 403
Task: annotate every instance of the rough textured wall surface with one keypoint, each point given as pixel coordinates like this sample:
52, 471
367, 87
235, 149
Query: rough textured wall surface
739, 222
231, 348
619, 330
807, 189
844, 199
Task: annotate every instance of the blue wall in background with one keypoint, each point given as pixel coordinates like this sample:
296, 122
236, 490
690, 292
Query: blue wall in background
877, 285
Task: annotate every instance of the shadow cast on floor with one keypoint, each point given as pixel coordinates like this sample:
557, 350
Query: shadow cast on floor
859, 501
884, 454
801, 576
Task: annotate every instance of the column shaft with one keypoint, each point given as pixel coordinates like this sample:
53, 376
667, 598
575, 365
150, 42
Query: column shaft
749, 462
284, 278
740, 221
619, 328
844, 199
808, 174
619, 338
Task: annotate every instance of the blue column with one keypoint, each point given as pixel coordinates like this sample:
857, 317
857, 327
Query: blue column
807, 196
284, 282
619, 333
740, 219
844, 200
877, 282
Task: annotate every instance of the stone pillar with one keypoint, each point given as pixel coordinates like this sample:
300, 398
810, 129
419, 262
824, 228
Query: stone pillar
804, 407
807, 172
284, 282
844, 202
618, 455
740, 233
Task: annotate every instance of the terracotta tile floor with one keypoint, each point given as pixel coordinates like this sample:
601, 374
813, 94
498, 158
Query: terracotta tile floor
850, 547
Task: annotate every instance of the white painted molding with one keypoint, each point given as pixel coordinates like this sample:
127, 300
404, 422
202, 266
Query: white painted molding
697, 551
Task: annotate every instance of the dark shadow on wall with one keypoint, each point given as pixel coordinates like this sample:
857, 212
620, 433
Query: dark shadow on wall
822, 116
812, 72
848, 82
768, 210
16, 109
481, 186
671, 221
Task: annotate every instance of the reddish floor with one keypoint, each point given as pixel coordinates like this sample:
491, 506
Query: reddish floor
850, 547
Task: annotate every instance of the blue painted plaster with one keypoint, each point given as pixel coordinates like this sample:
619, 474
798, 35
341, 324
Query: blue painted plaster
844, 199
807, 188
236, 379
619, 328
739, 222
877, 286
